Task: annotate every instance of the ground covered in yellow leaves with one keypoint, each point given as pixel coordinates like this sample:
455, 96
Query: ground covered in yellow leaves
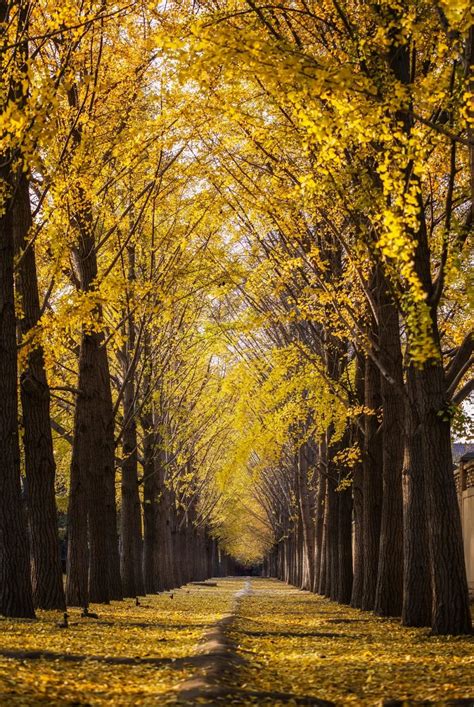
131, 655
307, 646
297, 648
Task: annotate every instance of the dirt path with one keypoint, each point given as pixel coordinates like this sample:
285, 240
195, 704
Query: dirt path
217, 659
131, 655
220, 665
282, 646
241, 641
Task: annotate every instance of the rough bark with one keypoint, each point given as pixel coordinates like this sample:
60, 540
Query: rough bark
333, 535
318, 530
357, 498
165, 527
389, 590
151, 565
416, 576
450, 600
324, 543
372, 485
93, 453
40, 467
344, 546
16, 597
131, 521
306, 503
111, 529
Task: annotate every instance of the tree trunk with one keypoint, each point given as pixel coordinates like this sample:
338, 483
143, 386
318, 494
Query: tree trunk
15, 583
344, 547
333, 534
111, 530
93, 462
372, 485
151, 563
77, 569
318, 530
450, 598
358, 549
450, 604
324, 543
40, 467
165, 520
304, 462
341, 527
357, 497
91, 438
416, 576
131, 521
93, 453
389, 590
128, 525
16, 597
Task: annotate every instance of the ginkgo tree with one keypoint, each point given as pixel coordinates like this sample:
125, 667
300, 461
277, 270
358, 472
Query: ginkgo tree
373, 126
235, 270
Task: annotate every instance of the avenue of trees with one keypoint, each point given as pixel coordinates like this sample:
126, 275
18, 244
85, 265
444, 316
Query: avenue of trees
234, 298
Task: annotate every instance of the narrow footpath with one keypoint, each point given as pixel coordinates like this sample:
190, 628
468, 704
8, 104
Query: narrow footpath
229, 641
280, 645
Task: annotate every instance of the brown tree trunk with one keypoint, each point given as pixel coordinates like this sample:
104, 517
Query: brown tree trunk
389, 590
131, 520
450, 599
93, 454
128, 521
357, 497
40, 467
48, 592
165, 520
287, 559
358, 551
344, 546
372, 485
111, 529
16, 597
318, 530
416, 576
15, 583
151, 562
333, 534
178, 566
93, 464
190, 548
341, 540
77, 568
306, 502
324, 544
450, 603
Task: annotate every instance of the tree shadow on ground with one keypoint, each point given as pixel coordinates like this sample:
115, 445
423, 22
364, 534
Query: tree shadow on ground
193, 661
249, 696
347, 621
299, 634
78, 658
235, 696
138, 624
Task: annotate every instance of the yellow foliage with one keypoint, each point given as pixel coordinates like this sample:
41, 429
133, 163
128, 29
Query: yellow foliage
304, 645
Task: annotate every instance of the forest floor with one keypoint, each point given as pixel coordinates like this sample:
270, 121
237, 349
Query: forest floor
243, 642
312, 648
131, 655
